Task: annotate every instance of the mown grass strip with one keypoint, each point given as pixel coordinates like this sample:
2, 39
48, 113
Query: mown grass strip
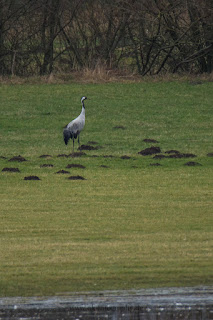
129, 224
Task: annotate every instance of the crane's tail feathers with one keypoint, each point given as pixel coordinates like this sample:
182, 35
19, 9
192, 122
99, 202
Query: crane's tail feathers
67, 135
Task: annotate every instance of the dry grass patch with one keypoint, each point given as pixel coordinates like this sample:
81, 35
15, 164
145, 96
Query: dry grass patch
102, 74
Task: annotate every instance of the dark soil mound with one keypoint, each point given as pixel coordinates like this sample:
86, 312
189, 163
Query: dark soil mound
76, 154
103, 166
10, 170
192, 164
45, 156
18, 158
87, 147
160, 156
172, 152
150, 151
181, 155
75, 165
125, 157
76, 178
175, 156
119, 127
189, 155
46, 165
63, 171
150, 141
62, 155
32, 178
210, 154
108, 156
155, 164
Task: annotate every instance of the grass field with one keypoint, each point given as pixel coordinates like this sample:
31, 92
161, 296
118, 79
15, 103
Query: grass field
129, 224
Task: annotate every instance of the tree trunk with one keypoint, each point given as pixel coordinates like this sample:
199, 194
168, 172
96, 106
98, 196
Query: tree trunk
48, 35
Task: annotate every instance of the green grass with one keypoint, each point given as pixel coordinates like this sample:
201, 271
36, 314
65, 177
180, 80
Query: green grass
130, 225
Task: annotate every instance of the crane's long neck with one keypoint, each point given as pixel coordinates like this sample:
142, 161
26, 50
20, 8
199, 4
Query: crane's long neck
83, 109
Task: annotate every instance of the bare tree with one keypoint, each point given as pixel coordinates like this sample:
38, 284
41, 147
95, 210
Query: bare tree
94, 32
50, 13
39, 37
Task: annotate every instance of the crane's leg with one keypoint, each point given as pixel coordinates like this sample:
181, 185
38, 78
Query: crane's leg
79, 141
73, 141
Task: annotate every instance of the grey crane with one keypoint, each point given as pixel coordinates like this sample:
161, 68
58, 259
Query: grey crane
74, 128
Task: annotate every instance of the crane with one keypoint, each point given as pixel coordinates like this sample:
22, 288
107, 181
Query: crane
74, 128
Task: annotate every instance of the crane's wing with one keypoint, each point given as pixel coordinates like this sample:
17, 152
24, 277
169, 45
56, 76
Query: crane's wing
67, 135
72, 130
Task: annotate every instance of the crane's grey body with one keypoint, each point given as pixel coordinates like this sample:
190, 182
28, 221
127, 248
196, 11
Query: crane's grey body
74, 128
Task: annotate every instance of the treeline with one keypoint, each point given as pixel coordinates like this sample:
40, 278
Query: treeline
147, 36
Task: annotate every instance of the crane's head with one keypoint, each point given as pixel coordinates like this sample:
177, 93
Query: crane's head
83, 98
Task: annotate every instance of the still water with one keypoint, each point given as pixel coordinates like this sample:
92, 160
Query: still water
152, 304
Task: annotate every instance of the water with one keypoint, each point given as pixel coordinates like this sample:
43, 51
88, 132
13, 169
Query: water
152, 304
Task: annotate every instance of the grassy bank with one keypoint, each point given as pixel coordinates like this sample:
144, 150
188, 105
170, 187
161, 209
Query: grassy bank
129, 224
